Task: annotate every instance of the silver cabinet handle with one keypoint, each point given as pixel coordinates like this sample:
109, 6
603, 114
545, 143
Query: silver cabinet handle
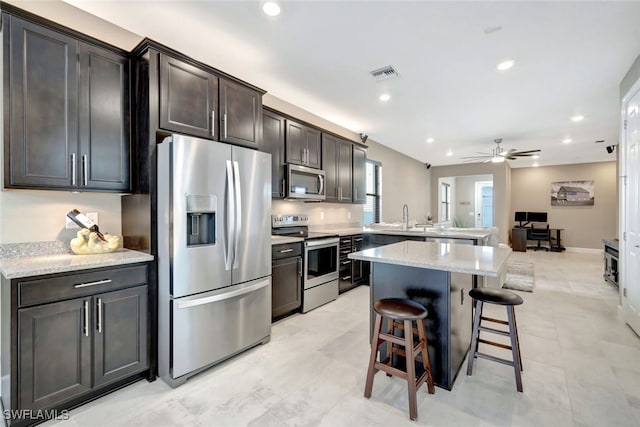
283, 189
303, 156
85, 171
286, 251
236, 175
224, 117
86, 318
73, 168
321, 184
99, 315
213, 122
99, 282
231, 215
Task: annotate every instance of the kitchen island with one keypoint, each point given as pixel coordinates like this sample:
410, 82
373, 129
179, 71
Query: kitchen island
438, 276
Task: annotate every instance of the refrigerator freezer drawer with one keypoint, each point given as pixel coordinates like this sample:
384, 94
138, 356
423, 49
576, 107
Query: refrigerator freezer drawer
319, 295
210, 327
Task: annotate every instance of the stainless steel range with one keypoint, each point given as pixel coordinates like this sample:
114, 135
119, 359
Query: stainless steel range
320, 278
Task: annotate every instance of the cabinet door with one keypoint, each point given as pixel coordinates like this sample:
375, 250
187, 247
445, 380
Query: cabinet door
273, 142
357, 266
286, 279
296, 146
330, 167
314, 147
105, 144
42, 106
359, 175
240, 114
344, 168
120, 330
188, 98
54, 353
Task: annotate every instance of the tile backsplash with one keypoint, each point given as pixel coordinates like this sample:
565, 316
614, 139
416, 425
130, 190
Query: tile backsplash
322, 215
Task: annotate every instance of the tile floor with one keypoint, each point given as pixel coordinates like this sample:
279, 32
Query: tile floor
581, 368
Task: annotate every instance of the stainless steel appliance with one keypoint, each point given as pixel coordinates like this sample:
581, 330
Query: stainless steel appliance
305, 183
320, 278
611, 267
214, 253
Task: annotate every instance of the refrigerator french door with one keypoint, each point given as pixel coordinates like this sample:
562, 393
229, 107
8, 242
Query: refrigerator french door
214, 253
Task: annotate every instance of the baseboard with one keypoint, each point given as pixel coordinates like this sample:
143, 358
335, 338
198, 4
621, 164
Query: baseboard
584, 250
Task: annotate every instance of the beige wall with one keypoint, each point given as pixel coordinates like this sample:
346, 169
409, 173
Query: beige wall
404, 180
465, 198
501, 183
584, 226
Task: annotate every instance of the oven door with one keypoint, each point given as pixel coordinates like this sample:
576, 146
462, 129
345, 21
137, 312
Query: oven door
305, 183
320, 261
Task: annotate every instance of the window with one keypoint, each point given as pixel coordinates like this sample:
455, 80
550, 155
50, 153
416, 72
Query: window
445, 202
372, 211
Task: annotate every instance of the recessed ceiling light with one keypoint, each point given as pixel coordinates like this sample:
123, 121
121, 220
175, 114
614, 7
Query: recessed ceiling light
449, 153
271, 8
535, 156
567, 141
505, 65
430, 140
384, 97
577, 118
535, 165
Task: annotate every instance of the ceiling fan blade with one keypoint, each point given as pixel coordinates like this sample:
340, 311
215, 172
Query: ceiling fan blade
525, 153
476, 157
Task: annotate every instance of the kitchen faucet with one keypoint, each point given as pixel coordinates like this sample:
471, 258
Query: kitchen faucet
405, 216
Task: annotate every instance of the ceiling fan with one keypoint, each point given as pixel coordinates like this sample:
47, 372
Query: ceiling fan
498, 154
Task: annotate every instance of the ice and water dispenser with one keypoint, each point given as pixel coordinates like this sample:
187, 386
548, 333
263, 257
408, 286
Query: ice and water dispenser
201, 219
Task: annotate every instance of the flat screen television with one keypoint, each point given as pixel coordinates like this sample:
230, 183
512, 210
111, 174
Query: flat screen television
537, 216
521, 216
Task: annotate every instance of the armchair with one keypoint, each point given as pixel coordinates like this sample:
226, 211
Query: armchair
541, 235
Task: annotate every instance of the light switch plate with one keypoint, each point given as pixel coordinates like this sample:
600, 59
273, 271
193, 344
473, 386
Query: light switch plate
93, 216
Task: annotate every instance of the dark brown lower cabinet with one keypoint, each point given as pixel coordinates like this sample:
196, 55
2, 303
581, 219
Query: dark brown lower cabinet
55, 353
286, 280
68, 338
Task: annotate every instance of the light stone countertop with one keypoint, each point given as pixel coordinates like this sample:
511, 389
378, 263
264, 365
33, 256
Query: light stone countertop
280, 240
429, 232
19, 260
479, 260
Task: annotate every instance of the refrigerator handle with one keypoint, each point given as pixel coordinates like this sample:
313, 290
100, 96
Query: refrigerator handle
238, 230
231, 216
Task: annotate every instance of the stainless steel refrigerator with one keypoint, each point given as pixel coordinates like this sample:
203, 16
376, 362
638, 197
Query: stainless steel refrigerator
214, 253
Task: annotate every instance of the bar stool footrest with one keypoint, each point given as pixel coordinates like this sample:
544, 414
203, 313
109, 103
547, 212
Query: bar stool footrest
494, 358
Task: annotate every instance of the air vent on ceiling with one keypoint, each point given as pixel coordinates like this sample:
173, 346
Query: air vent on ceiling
385, 73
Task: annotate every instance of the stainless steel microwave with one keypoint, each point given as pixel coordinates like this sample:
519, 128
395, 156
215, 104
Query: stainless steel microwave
305, 183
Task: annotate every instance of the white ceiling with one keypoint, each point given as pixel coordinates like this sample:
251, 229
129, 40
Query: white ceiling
569, 59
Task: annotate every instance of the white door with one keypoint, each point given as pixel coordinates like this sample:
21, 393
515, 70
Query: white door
631, 207
484, 204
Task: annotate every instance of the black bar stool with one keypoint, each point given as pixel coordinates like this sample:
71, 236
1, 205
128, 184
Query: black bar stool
400, 314
500, 297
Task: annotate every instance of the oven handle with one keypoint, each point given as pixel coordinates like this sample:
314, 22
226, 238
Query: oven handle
322, 242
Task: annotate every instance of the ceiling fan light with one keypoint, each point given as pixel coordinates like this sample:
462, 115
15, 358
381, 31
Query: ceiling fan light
271, 8
497, 159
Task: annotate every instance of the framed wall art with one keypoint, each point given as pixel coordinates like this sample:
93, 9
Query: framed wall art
572, 193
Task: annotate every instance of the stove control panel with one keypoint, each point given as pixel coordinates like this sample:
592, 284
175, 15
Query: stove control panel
289, 220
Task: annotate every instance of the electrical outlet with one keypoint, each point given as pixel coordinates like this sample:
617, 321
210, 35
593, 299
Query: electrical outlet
93, 216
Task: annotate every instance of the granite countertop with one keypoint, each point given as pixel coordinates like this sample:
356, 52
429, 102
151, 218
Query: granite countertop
480, 260
433, 232
19, 260
348, 231
280, 240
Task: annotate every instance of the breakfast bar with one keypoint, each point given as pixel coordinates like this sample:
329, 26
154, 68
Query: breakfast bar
438, 276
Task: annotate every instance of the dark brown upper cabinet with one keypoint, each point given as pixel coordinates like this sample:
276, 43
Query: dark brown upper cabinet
195, 101
273, 142
240, 114
188, 98
336, 162
66, 111
303, 145
359, 175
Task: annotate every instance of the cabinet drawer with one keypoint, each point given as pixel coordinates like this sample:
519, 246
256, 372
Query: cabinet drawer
286, 250
48, 289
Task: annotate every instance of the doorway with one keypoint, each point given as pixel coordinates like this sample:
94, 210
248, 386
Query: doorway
484, 204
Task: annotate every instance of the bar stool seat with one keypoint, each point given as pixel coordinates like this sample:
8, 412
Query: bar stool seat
400, 313
509, 300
